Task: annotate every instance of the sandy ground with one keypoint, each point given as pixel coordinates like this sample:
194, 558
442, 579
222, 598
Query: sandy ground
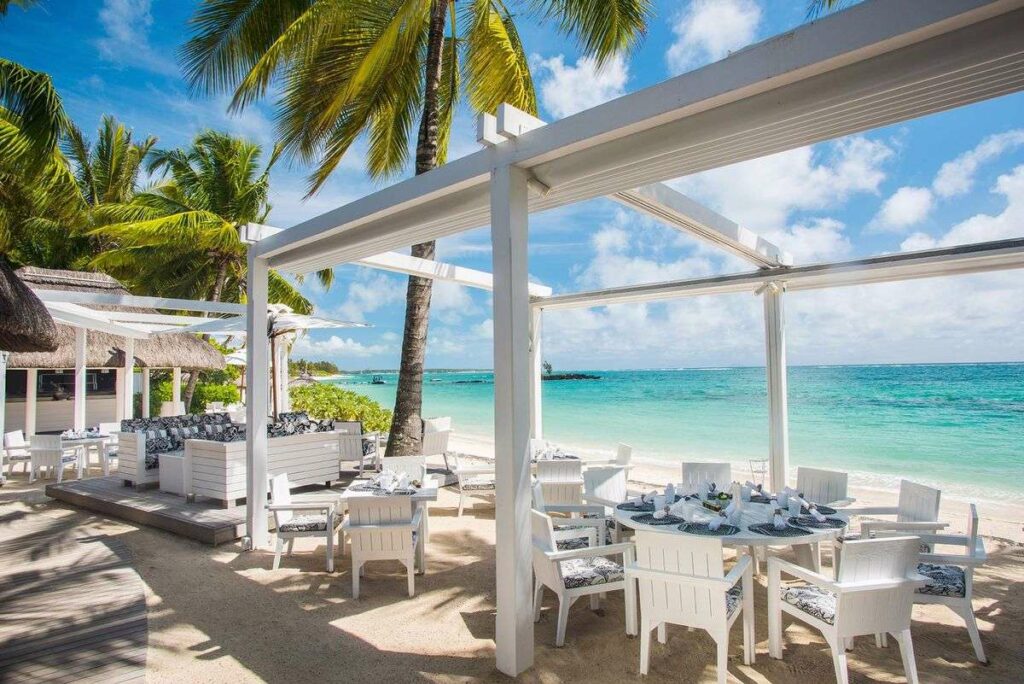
221, 615
1000, 519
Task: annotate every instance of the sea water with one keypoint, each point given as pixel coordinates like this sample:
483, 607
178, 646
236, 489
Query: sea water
958, 426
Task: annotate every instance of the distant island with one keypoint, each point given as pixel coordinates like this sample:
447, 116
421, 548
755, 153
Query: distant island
569, 376
296, 367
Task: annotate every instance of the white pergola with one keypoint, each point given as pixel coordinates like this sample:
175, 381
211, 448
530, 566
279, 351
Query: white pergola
878, 63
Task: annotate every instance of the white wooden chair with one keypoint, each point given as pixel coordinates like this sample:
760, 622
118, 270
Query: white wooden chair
826, 487
301, 519
623, 458
696, 473
473, 480
46, 451
16, 450
950, 576
570, 532
384, 528
917, 510
574, 573
683, 582
435, 443
562, 480
415, 468
108, 452
350, 443
538, 446
606, 487
873, 593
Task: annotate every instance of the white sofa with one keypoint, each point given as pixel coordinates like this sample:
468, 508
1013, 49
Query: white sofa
216, 470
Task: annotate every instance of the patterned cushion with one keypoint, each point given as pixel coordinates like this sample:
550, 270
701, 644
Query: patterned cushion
476, 484
572, 544
607, 532
944, 580
815, 602
733, 599
585, 572
305, 523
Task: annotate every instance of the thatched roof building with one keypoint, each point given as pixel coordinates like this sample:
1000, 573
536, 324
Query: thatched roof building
25, 324
105, 350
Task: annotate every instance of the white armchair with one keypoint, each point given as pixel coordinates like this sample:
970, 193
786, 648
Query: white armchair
606, 487
826, 487
574, 573
108, 451
623, 458
562, 480
696, 473
306, 519
571, 531
873, 593
473, 480
917, 510
16, 450
385, 528
683, 582
46, 451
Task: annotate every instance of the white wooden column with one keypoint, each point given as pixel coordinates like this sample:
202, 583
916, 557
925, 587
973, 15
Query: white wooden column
286, 398
128, 380
536, 373
176, 388
256, 410
778, 405
514, 571
119, 394
31, 400
80, 357
145, 392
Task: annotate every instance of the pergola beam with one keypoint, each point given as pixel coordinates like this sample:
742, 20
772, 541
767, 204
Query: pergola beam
106, 299
437, 270
965, 259
82, 317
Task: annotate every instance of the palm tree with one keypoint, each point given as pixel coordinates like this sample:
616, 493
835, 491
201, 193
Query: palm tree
182, 237
107, 172
383, 68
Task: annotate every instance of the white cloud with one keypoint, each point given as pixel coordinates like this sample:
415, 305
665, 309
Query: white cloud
565, 90
370, 292
983, 227
956, 177
125, 41
708, 30
821, 239
906, 207
335, 346
761, 194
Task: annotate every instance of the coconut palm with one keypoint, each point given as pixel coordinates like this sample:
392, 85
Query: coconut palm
182, 237
384, 68
108, 171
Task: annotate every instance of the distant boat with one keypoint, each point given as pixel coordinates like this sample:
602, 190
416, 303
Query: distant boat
377, 380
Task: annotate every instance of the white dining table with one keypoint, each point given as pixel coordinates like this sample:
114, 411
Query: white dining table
84, 443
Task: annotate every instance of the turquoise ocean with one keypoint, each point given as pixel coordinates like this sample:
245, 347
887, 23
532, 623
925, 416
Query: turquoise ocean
959, 426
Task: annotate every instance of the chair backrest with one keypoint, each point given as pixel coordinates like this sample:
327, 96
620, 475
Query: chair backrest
14, 439
891, 560
435, 443
350, 447
281, 495
972, 529
548, 572
415, 467
348, 427
917, 503
623, 454
695, 473
606, 483
562, 481
538, 497
442, 424
821, 486
45, 443
111, 429
695, 604
380, 510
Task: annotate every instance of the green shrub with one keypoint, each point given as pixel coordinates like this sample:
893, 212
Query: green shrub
322, 401
207, 392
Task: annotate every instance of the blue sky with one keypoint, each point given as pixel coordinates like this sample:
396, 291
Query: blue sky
951, 178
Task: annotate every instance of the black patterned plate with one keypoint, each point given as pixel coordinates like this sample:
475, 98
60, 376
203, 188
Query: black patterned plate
760, 499
824, 510
768, 529
380, 491
649, 519
704, 529
826, 524
634, 507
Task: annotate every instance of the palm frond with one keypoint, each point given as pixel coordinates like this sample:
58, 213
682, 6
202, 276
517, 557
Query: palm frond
497, 69
31, 98
601, 27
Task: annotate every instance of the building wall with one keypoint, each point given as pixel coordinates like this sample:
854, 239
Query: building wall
59, 415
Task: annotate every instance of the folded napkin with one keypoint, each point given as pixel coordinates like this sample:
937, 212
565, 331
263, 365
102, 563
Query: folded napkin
658, 515
778, 522
813, 510
716, 522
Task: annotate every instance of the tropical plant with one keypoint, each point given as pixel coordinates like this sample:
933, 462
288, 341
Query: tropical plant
182, 237
816, 8
383, 69
322, 401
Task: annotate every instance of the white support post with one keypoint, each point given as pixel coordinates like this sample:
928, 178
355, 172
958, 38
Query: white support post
80, 375
31, 400
778, 406
3, 411
536, 373
128, 378
256, 409
145, 392
284, 344
119, 394
514, 568
176, 388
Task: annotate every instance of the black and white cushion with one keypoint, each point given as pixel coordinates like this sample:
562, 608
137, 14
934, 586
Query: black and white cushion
586, 572
733, 598
812, 600
943, 580
305, 523
572, 544
477, 484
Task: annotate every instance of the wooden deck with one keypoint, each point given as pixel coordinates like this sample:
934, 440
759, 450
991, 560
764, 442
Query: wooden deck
72, 608
204, 522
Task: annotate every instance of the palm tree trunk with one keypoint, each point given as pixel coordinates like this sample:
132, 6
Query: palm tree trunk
218, 290
407, 424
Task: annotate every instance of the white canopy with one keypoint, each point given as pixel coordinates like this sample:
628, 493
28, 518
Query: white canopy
279, 323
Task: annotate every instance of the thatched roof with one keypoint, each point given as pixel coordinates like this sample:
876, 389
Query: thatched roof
25, 324
104, 349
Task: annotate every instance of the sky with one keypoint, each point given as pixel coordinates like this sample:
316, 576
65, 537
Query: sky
951, 178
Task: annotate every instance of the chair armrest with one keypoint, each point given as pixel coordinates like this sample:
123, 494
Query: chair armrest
720, 583
869, 526
301, 507
475, 470
873, 510
574, 508
853, 587
591, 552
842, 503
411, 525
738, 570
777, 565
599, 501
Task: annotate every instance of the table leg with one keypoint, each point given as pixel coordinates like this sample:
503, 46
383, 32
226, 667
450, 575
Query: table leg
806, 556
